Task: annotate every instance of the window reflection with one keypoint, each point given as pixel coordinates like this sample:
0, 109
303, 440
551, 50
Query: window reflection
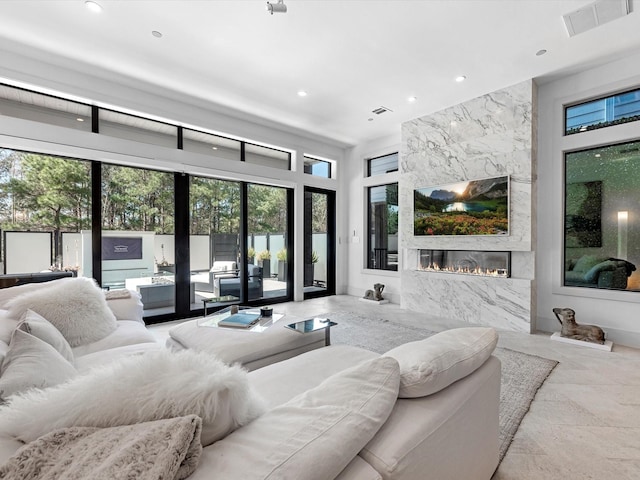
602, 220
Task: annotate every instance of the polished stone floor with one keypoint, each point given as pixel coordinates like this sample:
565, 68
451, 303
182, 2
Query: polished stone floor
585, 420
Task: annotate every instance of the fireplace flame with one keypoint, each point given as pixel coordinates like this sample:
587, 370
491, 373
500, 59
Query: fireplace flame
484, 272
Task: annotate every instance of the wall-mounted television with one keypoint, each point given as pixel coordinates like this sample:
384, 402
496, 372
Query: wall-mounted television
472, 207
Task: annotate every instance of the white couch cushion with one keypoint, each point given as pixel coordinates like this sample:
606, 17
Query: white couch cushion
128, 332
32, 363
315, 435
223, 266
76, 307
7, 325
38, 326
427, 366
139, 388
358, 469
125, 304
84, 363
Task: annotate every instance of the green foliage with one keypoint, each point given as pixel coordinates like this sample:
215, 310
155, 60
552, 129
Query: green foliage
251, 253
456, 223
41, 192
314, 257
214, 206
267, 209
282, 255
263, 255
137, 199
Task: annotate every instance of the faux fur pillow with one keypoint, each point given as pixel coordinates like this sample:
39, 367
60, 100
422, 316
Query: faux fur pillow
140, 388
76, 307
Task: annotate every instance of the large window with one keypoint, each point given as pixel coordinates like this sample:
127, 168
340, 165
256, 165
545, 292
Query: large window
45, 213
602, 217
603, 112
158, 232
383, 227
138, 241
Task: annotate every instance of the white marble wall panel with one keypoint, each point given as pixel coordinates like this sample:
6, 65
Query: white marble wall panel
502, 303
485, 137
488, 136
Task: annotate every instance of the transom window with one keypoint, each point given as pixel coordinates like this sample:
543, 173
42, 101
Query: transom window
603, 112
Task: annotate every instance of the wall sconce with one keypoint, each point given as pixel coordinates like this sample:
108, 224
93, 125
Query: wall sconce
623, 219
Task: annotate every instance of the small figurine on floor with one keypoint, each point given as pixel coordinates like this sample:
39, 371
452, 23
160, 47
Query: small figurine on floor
570, 329
376, 293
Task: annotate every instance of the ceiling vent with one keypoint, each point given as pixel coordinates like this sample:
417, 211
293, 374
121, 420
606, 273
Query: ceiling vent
381, 110
595, 14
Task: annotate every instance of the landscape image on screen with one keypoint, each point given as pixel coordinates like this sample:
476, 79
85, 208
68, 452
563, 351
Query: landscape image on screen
475, 207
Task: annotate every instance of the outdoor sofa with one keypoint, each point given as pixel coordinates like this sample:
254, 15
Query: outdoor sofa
223, 279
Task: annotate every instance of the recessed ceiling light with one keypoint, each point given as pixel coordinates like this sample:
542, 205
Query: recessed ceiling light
302, 93
597, 155
460, 78
93, 6
214, 148
539, 53
80, 119
412, 99
156, 34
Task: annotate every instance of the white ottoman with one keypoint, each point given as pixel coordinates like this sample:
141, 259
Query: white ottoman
251, 349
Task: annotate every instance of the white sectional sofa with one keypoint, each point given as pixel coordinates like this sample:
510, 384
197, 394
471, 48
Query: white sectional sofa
444, 427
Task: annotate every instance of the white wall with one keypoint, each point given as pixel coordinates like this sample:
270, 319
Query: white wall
617, 312
354, 187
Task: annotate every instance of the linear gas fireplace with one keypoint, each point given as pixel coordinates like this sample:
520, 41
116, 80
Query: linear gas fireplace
466, 262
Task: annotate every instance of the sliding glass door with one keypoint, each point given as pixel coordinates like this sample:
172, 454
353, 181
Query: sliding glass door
214, 241
268, 249
319, 242
138, 241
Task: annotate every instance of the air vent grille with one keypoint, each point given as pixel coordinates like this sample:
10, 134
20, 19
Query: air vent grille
380, 110
595, 14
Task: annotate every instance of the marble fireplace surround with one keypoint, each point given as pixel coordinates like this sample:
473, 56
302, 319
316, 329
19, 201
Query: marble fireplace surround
489, 136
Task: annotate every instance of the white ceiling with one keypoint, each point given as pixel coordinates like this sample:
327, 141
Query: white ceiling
351, 56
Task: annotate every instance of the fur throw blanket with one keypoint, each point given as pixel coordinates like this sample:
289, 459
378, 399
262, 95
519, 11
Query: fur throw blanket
163, 449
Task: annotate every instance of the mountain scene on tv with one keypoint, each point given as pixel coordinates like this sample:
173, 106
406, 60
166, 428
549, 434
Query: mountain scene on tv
476, 207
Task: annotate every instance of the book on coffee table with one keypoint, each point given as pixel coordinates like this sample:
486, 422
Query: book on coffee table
240, 320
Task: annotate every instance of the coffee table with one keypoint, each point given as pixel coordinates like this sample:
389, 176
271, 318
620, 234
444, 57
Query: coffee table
314, 325
267, 343
219, 300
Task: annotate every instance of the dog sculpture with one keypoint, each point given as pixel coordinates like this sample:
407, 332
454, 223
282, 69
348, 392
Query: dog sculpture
376, 293
570, 329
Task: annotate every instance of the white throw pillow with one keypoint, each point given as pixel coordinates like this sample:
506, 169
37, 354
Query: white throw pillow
316, 434
38, 326
32, 363
7, 325
76, 307
140, 388
427, 366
